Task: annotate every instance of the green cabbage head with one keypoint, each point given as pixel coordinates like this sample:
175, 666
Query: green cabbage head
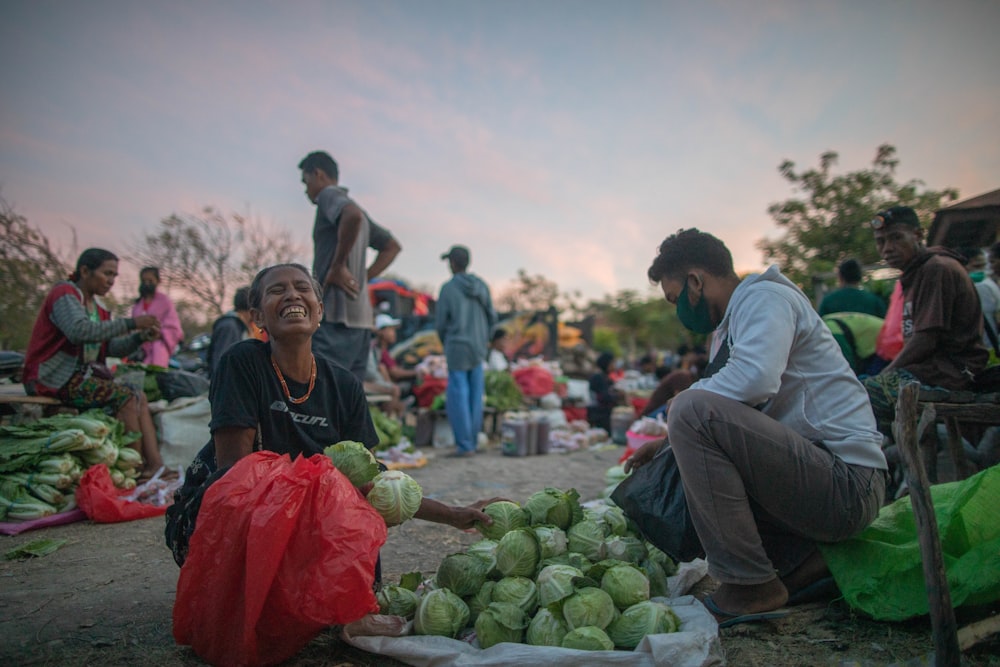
588, 638
555, 582
546, 629
611, 517
461, 573
440, 612
587, 538
589, 606
397, 601
639, 620
551, 540
506, 517
480, 600
626, 585
517, 590
554, 507
628, 549
500, 622
396, 496
517, 553
354, 460
485, 549
658, 587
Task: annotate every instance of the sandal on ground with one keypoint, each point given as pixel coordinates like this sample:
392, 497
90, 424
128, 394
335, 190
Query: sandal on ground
727, 619
820, 590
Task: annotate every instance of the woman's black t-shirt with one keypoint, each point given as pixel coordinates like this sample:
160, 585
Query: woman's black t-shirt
246, 393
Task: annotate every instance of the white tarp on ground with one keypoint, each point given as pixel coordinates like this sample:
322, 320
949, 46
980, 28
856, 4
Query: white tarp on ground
182, 426
695, 645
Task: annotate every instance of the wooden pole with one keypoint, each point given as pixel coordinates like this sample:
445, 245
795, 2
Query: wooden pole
943, 624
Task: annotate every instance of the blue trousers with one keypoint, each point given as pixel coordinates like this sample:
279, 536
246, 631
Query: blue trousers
464, 405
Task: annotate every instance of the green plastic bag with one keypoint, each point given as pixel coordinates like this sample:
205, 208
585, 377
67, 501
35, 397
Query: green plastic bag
880, 571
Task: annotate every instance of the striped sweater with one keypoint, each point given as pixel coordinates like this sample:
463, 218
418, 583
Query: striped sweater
60, 332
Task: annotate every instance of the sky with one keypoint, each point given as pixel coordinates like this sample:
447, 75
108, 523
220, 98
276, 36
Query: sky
567, 139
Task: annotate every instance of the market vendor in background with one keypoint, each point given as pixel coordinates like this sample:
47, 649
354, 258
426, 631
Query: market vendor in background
386, 328
776, 446
672, 382
151, 302
603, 395
280, 397
497, 360
72, 337
942, 318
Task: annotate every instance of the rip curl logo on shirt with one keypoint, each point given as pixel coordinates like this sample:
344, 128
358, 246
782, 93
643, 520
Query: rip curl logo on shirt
298, 417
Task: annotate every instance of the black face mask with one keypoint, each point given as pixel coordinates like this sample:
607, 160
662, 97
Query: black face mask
147, 289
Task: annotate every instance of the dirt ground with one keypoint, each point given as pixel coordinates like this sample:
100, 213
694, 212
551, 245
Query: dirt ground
106, 597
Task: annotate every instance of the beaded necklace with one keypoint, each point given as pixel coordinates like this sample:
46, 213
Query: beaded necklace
288, 395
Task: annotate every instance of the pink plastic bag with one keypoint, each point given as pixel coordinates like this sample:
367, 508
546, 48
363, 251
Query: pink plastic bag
282, 550
890, 338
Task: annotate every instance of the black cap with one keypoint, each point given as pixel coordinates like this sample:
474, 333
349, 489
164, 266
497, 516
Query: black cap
458, 254
897, 215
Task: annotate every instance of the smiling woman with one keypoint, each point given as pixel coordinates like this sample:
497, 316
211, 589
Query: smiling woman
277, 396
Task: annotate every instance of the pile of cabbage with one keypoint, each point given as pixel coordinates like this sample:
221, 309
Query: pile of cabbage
394, 494
548, 573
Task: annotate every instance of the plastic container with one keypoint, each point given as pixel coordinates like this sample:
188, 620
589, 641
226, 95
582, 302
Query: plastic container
514, 437
532, 446
635, 441
542, 439
620, 423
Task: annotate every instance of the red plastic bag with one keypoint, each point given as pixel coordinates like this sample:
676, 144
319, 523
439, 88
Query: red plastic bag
890, 338
102, 501
534, 381
428, 390
283, 549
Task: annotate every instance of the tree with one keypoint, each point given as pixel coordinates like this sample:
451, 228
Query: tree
210, 255
641, 324
29, 267
830, 222
538, 293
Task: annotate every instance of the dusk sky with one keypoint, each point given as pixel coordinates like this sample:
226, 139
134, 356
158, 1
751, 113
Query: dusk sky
564, 138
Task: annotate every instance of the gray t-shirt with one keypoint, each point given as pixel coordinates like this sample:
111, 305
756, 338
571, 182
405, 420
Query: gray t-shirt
330, 204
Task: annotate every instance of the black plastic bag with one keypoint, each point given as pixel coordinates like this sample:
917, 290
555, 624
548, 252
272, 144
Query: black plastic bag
180, 384
653, 497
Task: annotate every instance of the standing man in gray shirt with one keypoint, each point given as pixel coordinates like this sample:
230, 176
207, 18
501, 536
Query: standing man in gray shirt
464, 319
342, 234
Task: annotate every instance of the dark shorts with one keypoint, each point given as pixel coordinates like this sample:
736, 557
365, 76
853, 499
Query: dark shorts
84, 391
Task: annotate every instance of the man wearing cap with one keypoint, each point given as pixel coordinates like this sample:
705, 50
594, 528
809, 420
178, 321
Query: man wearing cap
464, 318
342, 234
942, 316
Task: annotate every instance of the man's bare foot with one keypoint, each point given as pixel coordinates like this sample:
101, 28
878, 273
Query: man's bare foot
737, 600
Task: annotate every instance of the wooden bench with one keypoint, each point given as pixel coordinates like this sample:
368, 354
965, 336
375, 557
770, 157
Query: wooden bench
954, 409
918, 410
14, 401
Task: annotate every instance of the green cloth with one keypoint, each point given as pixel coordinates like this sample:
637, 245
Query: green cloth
880, 571
864, 327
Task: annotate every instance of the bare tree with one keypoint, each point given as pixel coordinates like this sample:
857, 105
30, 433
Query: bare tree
210, 255
29, 266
